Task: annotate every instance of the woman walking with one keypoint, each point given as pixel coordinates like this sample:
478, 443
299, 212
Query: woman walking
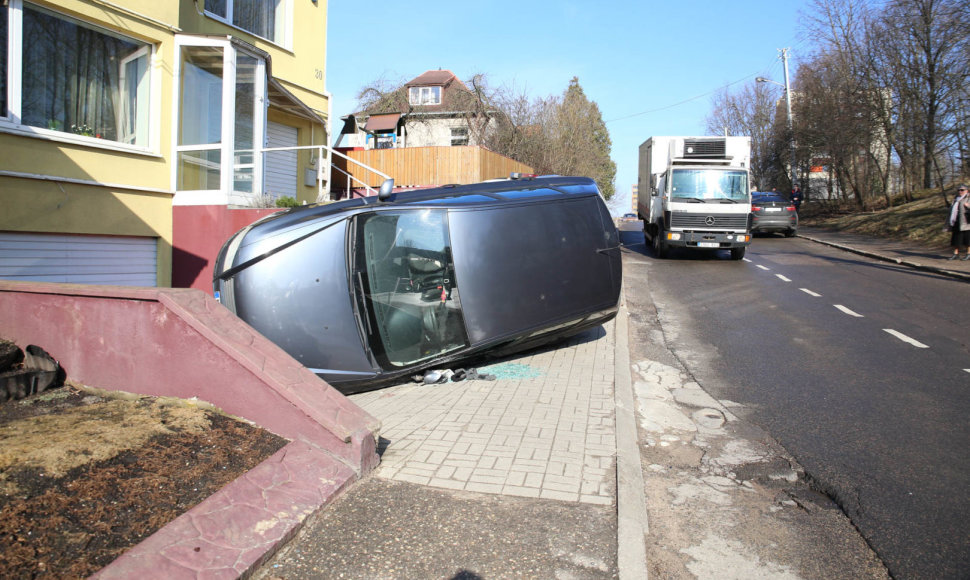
959, 224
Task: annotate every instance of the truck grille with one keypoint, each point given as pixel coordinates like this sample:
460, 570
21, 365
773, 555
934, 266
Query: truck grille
709, 221
704, 148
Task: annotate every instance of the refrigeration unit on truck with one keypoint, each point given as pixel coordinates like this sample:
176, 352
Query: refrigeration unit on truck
694, 193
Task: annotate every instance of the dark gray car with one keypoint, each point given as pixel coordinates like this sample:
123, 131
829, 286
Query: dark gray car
771, 212
367, 291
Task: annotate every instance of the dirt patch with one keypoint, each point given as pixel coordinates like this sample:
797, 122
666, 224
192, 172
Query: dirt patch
86, 474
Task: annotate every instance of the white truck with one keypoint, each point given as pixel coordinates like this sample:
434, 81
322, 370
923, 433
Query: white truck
694, 193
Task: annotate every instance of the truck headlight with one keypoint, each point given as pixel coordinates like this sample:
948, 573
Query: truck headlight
673, 236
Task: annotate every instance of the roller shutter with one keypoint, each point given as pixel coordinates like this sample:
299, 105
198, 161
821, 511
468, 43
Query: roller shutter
76, 259
281, 177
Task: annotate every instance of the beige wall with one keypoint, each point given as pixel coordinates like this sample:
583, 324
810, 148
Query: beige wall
434, 132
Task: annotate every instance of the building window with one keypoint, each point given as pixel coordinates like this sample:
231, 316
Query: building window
63, 75
459, 136
264, 18
221, 119
424, 95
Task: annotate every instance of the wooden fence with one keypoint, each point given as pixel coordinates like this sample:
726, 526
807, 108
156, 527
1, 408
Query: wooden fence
425, 166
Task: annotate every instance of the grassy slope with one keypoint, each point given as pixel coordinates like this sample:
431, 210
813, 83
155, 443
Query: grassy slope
918, 221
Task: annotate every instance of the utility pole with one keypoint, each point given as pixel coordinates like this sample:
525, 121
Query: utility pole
791, 128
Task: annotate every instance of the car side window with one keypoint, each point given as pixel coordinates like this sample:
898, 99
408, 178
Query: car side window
408, 279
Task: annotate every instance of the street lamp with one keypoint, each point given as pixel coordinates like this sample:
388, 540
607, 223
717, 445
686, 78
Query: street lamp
791, 130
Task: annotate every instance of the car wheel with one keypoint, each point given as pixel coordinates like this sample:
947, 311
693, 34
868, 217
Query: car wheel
737, 253
789, 233
659, 247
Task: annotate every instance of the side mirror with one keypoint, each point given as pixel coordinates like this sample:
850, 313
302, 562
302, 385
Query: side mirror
386, 188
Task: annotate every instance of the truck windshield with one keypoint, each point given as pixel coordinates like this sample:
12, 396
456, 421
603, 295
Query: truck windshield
408, 279
709, 185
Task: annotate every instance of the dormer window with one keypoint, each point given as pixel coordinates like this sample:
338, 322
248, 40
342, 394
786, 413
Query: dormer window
424, 95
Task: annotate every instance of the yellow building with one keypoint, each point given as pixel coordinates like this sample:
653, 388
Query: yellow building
112, 112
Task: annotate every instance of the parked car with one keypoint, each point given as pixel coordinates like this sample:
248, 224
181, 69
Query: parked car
629, 217
771, 212
371, 290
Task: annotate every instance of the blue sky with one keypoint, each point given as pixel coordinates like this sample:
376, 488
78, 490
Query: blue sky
652, 67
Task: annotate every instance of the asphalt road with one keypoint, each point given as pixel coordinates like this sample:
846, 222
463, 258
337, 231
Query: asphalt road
857, 367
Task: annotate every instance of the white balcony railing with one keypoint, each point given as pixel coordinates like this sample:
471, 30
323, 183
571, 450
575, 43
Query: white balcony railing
276, 179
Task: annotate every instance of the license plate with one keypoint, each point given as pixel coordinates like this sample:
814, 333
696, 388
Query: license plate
772, 209
708, 245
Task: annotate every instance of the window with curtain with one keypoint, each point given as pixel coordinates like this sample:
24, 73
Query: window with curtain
264, 18
77, 78
424, 95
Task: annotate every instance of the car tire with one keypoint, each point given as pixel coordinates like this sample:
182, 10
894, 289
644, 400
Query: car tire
737, 253
659, 247
789, 233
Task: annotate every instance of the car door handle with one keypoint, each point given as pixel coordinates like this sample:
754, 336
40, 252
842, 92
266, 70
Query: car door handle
604, 250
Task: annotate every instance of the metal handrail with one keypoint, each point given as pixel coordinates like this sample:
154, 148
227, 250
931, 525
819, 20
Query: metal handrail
319, 165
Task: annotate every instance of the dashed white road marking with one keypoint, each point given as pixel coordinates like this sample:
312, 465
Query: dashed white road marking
764, 267
810, 293
746, 260
905, 338
847, 311
782, 278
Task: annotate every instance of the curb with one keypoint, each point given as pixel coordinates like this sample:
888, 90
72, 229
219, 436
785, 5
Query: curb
915, 265
631, 504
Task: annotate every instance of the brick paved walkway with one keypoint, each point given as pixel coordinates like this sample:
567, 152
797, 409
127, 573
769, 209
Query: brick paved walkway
545, 428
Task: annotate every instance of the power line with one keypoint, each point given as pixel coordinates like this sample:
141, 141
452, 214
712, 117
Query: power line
762, 72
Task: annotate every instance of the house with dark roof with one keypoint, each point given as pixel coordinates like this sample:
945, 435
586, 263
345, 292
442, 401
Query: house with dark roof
425, 133
435, 109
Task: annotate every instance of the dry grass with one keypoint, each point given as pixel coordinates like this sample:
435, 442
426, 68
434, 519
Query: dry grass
57, 442
919, 221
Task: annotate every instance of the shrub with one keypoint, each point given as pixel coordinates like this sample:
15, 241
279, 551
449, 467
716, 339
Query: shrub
287, 201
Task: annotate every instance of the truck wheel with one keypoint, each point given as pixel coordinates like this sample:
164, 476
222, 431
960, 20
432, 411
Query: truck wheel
737, 253
659, 247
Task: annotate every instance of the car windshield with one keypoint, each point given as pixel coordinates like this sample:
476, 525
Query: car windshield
709, 185
407, 276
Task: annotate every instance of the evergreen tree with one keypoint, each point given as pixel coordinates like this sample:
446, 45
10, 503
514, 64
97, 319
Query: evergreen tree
581, 141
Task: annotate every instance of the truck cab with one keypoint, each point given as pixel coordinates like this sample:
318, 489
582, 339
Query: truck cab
699, 194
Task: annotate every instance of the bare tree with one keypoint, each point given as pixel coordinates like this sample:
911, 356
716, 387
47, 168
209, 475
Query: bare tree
753, 111
562, 135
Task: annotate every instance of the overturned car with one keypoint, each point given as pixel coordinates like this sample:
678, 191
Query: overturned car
368, 291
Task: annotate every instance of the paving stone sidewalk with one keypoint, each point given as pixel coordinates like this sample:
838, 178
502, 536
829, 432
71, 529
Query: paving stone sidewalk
543, 429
